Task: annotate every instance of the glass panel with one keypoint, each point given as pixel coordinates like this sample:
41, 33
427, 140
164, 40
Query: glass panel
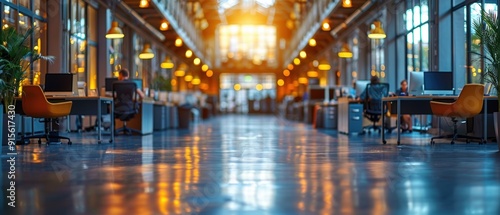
416, 49
24, 23
9, 17
25, 3
424, 11
92, 85
409, 52
41, 8
425, 48
40, 66
92, 23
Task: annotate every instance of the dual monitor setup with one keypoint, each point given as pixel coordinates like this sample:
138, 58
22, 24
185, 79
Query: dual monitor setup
65, 84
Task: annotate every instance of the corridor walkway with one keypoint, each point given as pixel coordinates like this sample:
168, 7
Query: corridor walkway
246, 164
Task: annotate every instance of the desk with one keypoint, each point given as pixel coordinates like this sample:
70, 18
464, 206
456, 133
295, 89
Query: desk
84, 106
421, 105
143, 120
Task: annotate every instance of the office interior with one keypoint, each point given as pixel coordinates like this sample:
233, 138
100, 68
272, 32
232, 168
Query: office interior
252, 107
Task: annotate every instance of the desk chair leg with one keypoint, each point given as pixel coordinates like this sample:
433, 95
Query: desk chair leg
126, 130
455, 135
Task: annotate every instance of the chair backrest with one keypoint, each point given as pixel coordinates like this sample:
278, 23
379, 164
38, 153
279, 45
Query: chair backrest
374, 95
34, 100
470, 101
125, 97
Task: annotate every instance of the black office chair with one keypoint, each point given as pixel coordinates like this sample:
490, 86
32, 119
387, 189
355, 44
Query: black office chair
125, 104
372, 105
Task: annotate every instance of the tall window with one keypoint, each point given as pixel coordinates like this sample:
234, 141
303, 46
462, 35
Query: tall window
417, 37
82, 42
32, 16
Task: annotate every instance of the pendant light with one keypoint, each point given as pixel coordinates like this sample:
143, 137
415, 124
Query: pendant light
147, 52
345, 51
115, 32
167, 63
377, 32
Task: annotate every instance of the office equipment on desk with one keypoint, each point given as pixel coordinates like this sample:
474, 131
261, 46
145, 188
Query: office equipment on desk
438, 83
471, 97
60, 84
416, 83
138, 83
35, 105
360, 86
108, 83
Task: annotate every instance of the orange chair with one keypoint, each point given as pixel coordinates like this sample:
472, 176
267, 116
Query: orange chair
468, 104
35, 105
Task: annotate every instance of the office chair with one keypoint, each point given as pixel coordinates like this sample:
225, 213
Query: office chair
125, 104
373, 104
468, 104
35, 105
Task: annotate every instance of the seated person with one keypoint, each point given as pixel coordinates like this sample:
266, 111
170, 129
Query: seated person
374, 81
405, 119
123, 75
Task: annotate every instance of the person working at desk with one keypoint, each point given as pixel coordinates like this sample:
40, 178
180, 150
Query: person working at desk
376, 88
123, 75
406, 123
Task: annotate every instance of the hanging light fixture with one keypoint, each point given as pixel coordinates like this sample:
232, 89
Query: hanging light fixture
164, 26
144, 4
147, 52
189, 53
178, 42
115, 32
346, 3
167, 63
324, 65
345, 51
377, 32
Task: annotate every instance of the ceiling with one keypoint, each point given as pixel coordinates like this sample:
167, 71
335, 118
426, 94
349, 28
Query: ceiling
286, 15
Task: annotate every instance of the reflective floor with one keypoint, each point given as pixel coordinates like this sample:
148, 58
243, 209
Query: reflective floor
254, 165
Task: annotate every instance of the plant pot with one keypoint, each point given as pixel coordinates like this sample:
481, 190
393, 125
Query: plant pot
496, 120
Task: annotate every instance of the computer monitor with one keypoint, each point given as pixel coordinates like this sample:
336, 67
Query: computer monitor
60, 84
416, 83
109, 84
438, 83
138, 82
360, 86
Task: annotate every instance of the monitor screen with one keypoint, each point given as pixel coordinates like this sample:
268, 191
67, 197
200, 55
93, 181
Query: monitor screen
138, 82
415, 83
59, 84
360, 86
318, 94
109, 84
438, 83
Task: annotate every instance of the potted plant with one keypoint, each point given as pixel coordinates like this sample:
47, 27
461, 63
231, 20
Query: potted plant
16, 57
487, 30
161, 84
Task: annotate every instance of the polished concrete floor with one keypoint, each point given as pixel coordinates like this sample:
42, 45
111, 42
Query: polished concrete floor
240, 164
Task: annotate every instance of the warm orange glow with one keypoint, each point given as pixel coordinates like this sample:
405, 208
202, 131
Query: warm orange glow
204, 68
296, 61
196, 81
280, 82
178, 42
259, 87
302, 80
209, 73
325, 26
188, 78
312, 74
312, 42
144, 4
196, 61
189, 53
179, 73
303, 54
164, 26
290, 66
347, 3
237, 87
286, 72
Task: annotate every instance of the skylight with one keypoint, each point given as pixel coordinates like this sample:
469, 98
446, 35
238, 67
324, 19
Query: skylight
226, 4
265, 3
